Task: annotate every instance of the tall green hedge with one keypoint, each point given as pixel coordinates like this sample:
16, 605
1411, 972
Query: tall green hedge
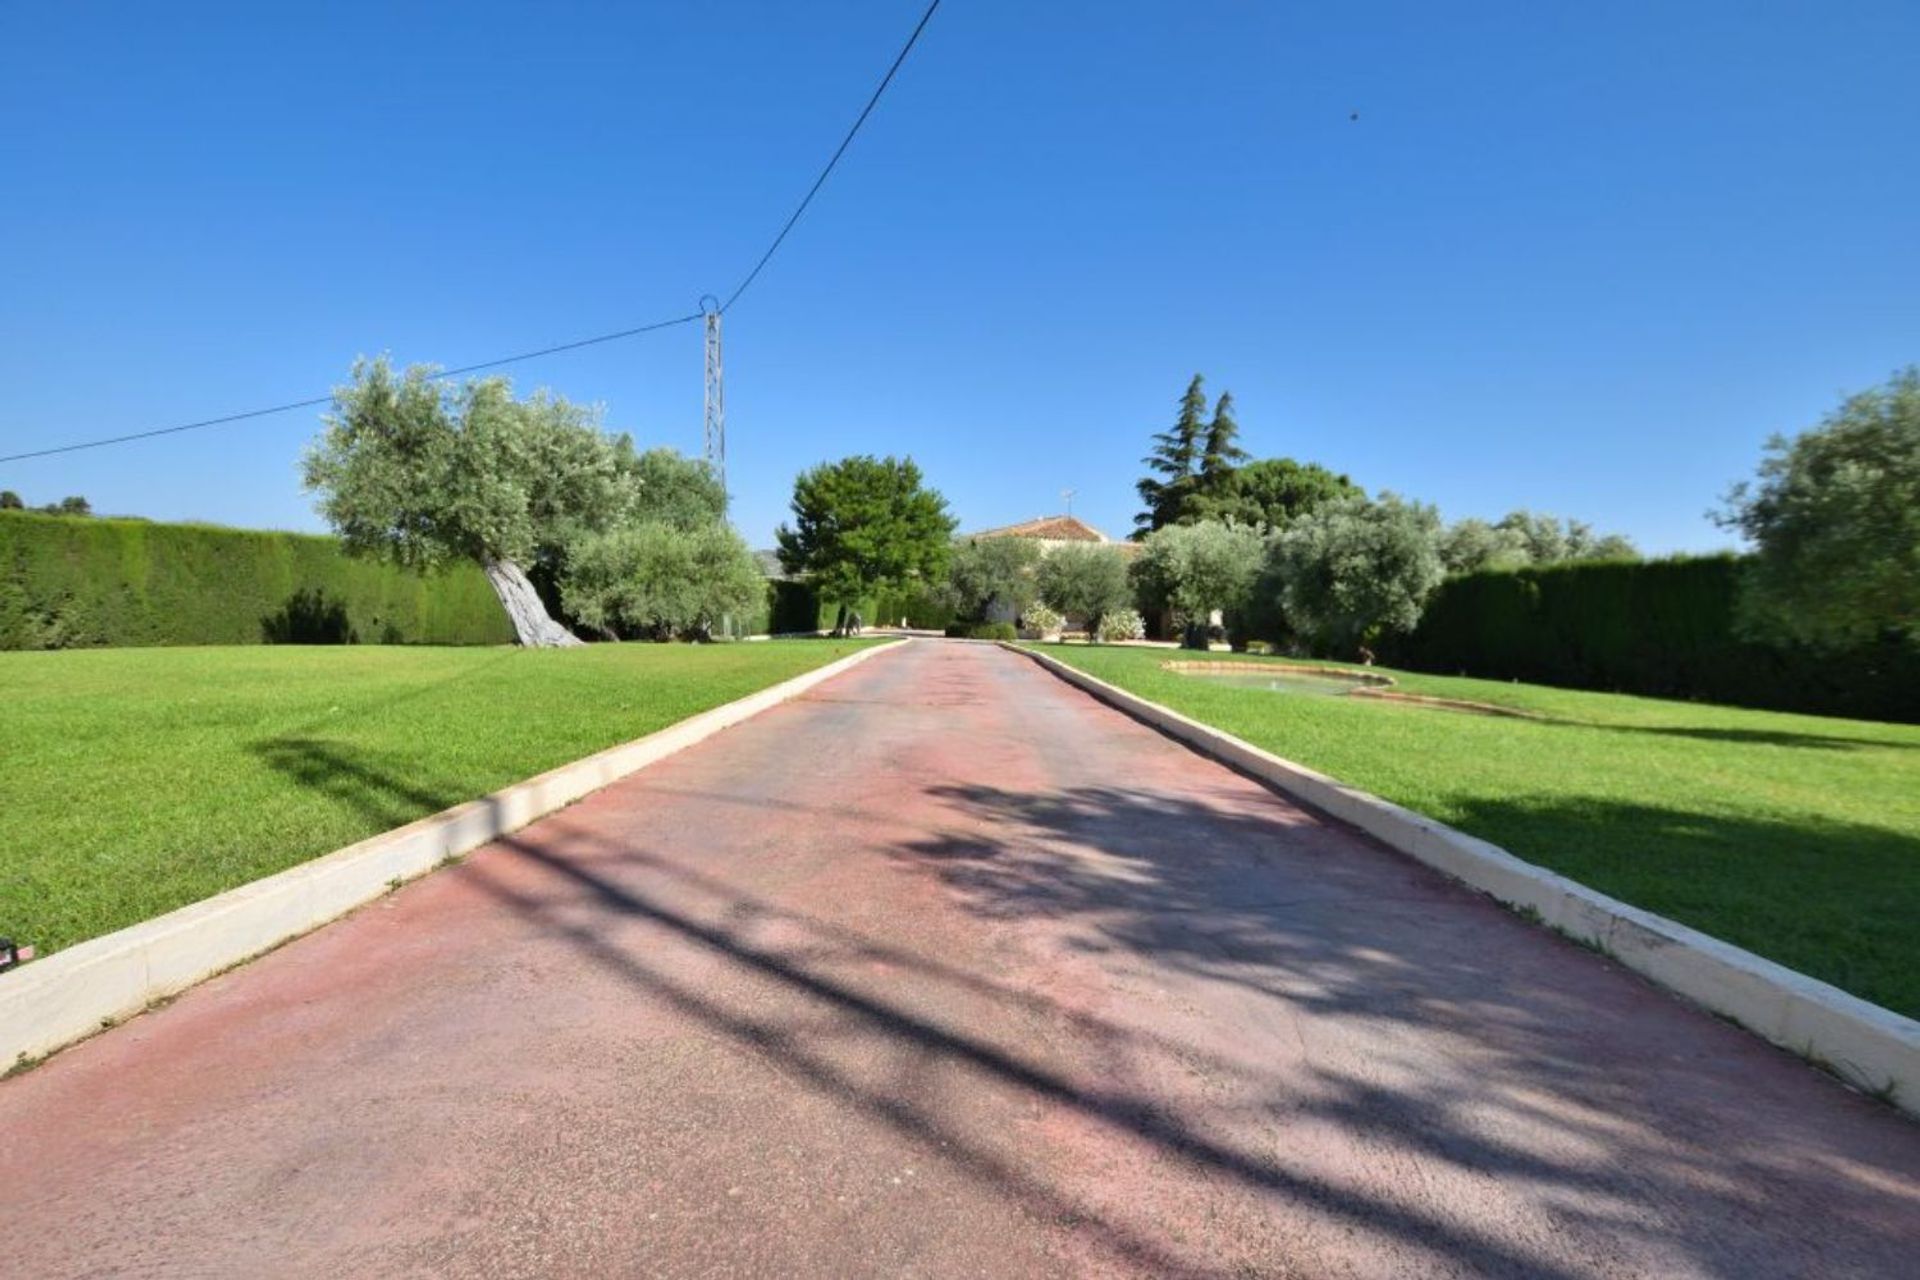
68, 582
1660, 627
798, 607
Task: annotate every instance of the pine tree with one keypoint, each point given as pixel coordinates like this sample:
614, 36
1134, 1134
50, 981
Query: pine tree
1174, 458
1222, 455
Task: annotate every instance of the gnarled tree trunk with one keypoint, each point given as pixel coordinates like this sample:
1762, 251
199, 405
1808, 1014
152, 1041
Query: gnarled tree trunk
533, 626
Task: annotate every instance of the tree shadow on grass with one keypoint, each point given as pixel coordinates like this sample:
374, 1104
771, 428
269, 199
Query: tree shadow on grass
359, 780
1837, 900
1643, 1153
1746, 737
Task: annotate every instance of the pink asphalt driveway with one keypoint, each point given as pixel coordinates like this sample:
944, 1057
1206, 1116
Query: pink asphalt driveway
942, 970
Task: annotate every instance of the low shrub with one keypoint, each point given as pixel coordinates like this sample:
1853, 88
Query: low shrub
1122, 624
1038, 622
981, 631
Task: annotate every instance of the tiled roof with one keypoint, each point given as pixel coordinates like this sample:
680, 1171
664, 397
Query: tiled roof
1049, 529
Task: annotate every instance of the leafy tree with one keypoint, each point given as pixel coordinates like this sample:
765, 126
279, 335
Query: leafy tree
1271, 492
984, 572
1175, 455
1087, 580
661, 579
1834, 519
69, 506
863, 523
1525, 537
677, 490
1355, 569
1551, 540
1222, 454
1198, 568
10, 501
423, 473
1471, 545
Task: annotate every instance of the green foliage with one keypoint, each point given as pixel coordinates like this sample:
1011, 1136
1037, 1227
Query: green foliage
797, 606
1040, 620
107, 582
425, 473
677, 490
1197, 568
661, 580
1199, 472
919, 605
1085, 580
1523, 538
1669, 628
981, 631
1835, 522
1174, 459
10, 501
1270, 492
1355, 571
1469, 546
1119, 624
986, 571
862, 524
1222, 452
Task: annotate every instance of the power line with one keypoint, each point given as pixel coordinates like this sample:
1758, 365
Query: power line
838, 152
615, 336
317, 401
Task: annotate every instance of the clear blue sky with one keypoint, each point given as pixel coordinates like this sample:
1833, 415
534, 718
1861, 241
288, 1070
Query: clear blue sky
1580, 258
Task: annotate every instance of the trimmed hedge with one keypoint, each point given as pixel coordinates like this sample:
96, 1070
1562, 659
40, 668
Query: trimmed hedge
1660, 627
981, 631
68, 582
796, 606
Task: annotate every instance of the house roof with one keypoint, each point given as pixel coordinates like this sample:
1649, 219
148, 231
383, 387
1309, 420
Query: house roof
1048, 529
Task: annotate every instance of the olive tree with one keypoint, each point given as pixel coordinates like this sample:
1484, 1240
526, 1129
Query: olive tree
1086, 580
424, 473
1834, 519
1197, 569
989, 575
1355, 569
661, 579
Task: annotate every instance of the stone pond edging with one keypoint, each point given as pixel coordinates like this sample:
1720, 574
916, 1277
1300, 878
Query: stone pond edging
1873, 1048
52, 1002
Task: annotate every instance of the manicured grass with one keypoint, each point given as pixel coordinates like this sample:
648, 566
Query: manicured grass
1797, 837
134, 781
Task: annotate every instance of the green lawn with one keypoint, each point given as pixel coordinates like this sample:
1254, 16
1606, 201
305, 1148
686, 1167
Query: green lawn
1797, 837
134, 781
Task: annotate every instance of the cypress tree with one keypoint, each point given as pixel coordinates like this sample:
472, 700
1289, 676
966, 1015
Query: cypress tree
1174, 457
1222, 455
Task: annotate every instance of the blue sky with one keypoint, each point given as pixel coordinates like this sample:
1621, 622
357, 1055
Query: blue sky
1579, 258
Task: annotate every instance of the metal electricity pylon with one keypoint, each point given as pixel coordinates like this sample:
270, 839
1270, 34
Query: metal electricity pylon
716, 429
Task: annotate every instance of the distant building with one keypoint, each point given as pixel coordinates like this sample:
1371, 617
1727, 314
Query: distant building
1054, 531
1049, 532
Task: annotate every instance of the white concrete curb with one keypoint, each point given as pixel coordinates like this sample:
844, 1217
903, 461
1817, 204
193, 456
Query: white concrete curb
1869, 1046
71, 994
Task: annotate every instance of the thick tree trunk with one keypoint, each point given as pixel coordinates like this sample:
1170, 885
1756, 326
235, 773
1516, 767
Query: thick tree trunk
533, 626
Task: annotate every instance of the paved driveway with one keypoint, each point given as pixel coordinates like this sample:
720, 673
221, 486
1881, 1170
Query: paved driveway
942, 970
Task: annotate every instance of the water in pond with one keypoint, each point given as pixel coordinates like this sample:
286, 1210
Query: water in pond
1277, 681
